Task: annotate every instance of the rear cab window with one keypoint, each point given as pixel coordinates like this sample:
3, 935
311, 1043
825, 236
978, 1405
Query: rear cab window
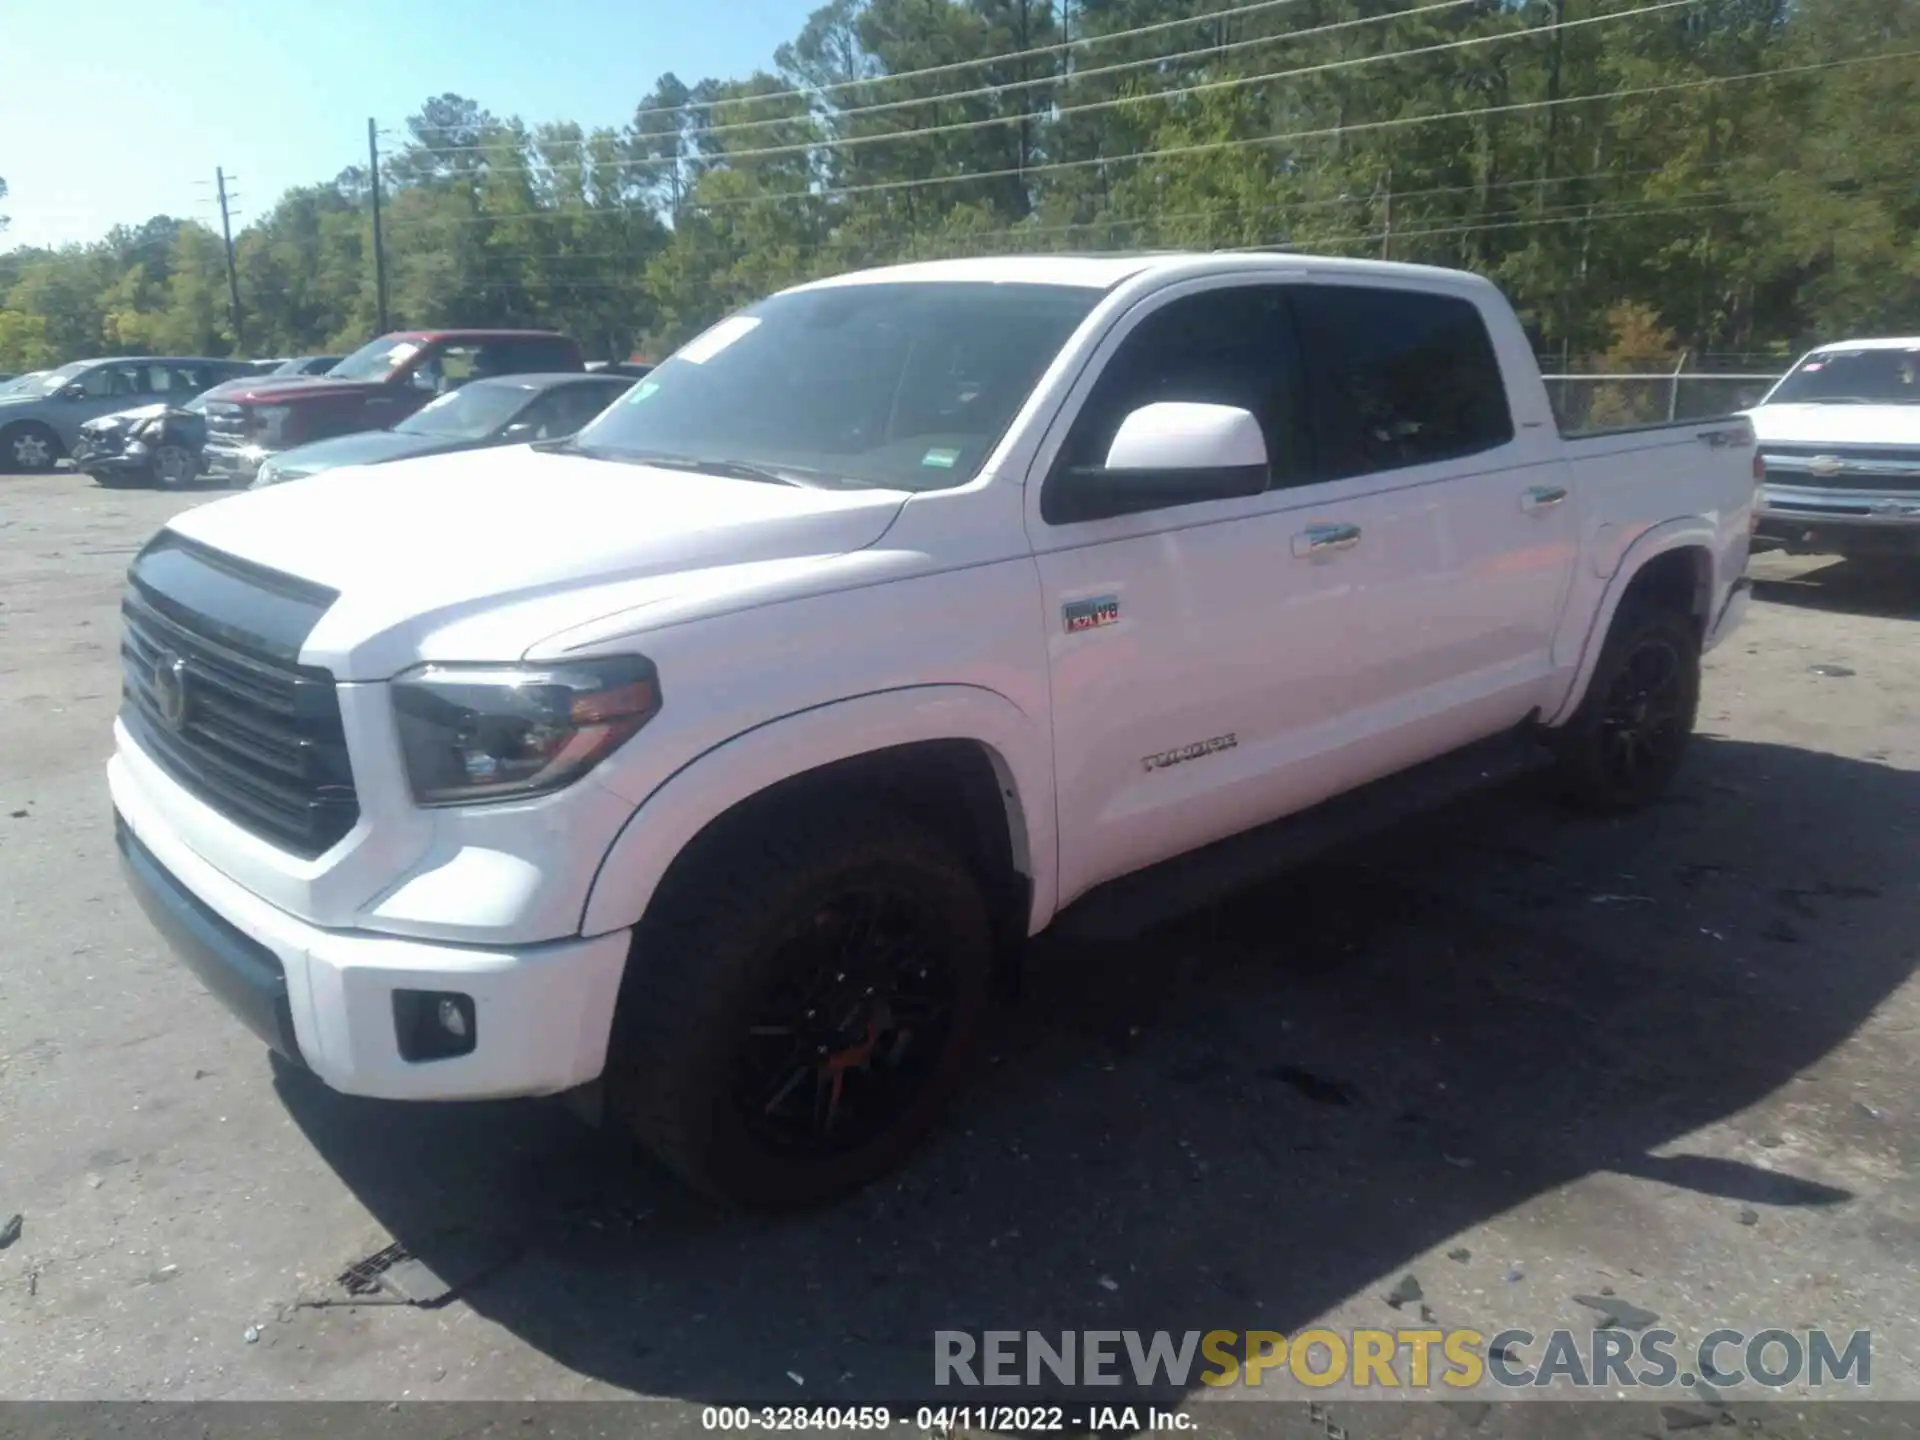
1399, 378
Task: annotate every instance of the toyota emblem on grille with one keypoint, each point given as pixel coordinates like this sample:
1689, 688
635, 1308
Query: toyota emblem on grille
1826, 465
170, 689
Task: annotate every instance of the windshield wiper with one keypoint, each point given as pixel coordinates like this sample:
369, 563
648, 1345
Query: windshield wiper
732, 469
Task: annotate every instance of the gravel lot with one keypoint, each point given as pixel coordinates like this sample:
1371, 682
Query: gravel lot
1671, 1056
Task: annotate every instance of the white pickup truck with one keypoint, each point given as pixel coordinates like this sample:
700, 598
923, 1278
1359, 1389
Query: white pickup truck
719, 759
1840, 441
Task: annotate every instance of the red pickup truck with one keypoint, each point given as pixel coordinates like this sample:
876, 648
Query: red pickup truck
378, 385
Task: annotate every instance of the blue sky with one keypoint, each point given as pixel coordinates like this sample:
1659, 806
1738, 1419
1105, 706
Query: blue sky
115, 110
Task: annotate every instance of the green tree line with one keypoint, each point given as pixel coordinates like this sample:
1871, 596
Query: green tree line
1644, 177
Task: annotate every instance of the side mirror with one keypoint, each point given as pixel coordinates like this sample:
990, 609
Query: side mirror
75, 391
1165, 454
519, 433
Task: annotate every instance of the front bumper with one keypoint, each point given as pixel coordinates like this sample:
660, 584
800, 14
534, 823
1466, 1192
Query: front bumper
243, 973
234, 464
326, 997
117, 463
1839, 522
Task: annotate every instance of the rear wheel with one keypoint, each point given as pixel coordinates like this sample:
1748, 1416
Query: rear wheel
30, 448
1624, 745
800, 1006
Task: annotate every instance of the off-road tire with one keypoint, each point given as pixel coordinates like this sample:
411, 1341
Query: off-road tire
711, 951
1604, 764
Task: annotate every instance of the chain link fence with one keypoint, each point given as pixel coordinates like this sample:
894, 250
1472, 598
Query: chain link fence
1606, 402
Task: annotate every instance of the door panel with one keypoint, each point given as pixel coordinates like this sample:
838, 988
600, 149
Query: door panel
1409, 391
1233, 669
1199, 665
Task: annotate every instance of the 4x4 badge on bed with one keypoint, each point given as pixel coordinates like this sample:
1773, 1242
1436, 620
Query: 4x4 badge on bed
1090, 614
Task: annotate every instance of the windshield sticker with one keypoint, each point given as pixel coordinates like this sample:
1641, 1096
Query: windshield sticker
710, 343
643, 391
1811, 366
940, 459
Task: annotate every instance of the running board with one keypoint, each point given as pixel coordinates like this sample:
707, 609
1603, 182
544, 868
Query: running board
1122, 908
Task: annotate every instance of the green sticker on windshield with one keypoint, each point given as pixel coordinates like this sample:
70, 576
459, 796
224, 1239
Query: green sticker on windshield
644, 390
940, 459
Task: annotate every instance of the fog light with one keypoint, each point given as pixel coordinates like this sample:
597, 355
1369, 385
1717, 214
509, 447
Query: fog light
433, 1024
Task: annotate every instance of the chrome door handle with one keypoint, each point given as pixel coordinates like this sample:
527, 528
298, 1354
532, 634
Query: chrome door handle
1542, 497
1325, 539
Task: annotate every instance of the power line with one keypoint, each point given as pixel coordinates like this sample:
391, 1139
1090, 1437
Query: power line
1057, 113
1320, 133
840, 116
1061, 47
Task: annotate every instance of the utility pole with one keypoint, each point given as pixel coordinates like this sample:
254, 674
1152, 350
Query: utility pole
379, 245
233, 276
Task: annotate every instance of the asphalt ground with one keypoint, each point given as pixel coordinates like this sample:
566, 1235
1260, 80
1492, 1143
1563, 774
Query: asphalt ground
1516, 1054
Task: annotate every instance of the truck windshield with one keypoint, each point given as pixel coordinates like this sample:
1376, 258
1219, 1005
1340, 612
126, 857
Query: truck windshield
903, 386
472, 412
376, 360
1853, 377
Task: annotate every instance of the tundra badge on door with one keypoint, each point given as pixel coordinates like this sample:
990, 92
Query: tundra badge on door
1090, 614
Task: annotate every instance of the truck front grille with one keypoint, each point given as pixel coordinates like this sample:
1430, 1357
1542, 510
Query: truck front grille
251, 732
226, 422
1844, 467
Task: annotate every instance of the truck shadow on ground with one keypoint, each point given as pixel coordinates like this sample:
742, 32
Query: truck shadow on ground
1886, 588
1242, 1119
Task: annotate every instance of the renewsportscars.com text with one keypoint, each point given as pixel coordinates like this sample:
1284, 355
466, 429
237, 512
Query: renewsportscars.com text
1412, 1359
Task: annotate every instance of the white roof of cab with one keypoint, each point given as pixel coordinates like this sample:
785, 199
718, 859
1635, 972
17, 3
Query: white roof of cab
1102, 272
1909, 342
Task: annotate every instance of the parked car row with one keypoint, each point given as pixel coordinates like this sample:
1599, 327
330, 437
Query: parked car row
237, 422
41, 420
501, 410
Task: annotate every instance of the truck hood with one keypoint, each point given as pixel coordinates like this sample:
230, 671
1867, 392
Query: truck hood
293, 389
1837, 424
435, 544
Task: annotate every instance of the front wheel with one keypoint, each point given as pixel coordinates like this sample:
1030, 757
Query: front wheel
800, 1006
1624, 745
29, 449
174, 467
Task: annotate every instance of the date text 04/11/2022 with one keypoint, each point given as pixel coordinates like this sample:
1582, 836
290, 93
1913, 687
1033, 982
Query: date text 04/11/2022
944, 1419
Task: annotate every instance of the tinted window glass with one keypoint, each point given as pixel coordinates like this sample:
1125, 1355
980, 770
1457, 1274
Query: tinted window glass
534, 357
1221, 347
472, 413
113, 381
1399, 377
560, 412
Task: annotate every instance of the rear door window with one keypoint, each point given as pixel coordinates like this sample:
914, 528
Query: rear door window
1399, 377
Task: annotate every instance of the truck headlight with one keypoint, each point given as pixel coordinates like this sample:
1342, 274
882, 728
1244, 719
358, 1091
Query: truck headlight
471, 733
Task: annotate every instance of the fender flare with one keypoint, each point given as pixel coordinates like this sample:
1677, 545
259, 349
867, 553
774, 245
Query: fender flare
736, 769
1689, 532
